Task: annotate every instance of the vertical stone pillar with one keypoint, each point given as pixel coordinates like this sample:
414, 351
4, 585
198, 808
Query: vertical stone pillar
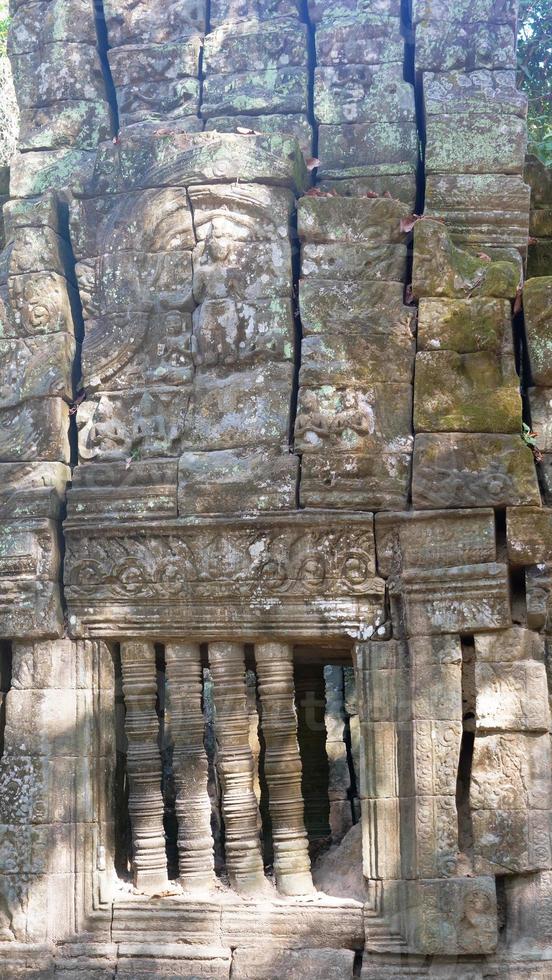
239, 805
283, 767
186, 726
145, 802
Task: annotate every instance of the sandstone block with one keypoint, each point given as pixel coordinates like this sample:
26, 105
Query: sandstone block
222, 415
135, 488
37, 172
537, 299
459, 599
139, 960
529, 532
133, 349
228, 333
511, 772
354, 261
291, 124
370, 221
234, 481
365, 149
400, 185
429, 752
359, 481
57, 72
134, 424
351, 9
511, 841
43, 22
252, 45
442, 538
541, 416
241, 270
353, 419
466, 393
73, 124
131, 22
473, 91
512, 697
241, 212
444, 44
475, 143
480, 209
332, 964
32, 489
272, 90
429, 841
35, 429
132, 281
465, 325
36, 367
442, 269
235, 10
465, 11
449, 917
358, 93
472, 470
368, 40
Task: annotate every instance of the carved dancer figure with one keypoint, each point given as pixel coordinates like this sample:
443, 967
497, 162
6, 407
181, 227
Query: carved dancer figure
239, 805
185, 726
145, 802
283, 768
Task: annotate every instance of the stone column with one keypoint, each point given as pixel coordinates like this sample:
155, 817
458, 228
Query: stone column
145, 802
186, 727
283, 767
244, 862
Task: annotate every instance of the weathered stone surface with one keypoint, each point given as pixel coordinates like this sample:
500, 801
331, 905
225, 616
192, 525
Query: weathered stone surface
356, 93
529, 532
452, 917
511, 697
72, 123
130, 22
156, 81
365, 481
541, 416
359, 40
35, 429
423, 540
57, 72
462, 92
460, 599
475, 143
37, 172
45, 21
237, 481
401, 186
442, 45
229, 333
466, 393
252, 45
488, 210
32, 489
273, 90
353, 419
365, 149
370, 221
465, 325
131, 489
537, 300
354, 261
258, 965
187, 962
442, 269
318, 11
291, 124
472, 470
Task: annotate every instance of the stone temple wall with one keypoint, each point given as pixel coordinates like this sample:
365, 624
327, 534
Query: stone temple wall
275, 535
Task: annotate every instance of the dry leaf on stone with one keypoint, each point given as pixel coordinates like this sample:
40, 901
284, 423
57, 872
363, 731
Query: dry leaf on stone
311, 163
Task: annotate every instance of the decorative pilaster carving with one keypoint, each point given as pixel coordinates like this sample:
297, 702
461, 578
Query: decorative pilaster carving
239, 805
283, 767
186, 727
145, 802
